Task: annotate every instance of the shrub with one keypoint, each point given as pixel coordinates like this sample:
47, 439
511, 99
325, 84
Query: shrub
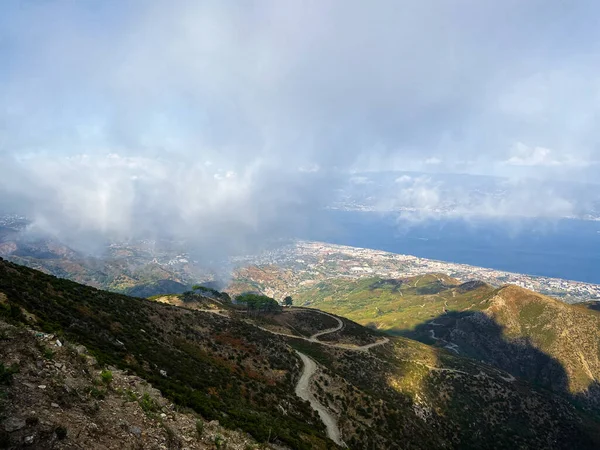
130, 396
148, 404
47, 353
99, 394
106, 377
61, 432
220, 441
6, 373
199, 427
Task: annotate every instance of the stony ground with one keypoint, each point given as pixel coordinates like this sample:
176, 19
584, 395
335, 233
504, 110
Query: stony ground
53, 395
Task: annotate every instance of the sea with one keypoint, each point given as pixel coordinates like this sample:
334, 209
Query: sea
559, 248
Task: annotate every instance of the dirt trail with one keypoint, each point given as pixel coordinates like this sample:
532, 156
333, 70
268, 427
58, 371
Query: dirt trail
303, 387
303, 391
310, 367
314, 337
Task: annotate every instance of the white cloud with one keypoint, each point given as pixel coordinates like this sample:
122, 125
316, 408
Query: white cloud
523, 155
119, 197
404, 179
423, 197
286, 96
531, 156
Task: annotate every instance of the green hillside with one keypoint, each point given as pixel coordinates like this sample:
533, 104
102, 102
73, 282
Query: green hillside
394, 305
527, 334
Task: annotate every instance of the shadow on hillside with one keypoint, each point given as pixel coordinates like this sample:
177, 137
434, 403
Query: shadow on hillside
475, 335
472, 405
595, 306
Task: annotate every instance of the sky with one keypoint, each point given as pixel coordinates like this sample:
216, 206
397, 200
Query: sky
233, 122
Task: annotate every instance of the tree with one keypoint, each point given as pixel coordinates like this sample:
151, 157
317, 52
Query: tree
287, 301
258, 303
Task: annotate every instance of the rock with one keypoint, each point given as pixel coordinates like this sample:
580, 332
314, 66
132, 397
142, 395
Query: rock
91, 361
136, 431
54, 405
14, 424
42, 386
163, 415
81, 349
28, 440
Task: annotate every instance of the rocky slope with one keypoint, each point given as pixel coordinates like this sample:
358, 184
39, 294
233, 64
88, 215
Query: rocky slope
59, 397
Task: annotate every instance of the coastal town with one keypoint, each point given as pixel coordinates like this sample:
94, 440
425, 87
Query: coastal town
315, 261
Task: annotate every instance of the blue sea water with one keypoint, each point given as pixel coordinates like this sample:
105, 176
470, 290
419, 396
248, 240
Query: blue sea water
565, 248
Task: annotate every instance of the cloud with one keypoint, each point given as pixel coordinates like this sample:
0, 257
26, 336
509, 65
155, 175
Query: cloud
117, 197
433, 161
416, 198
523, 155
234, 122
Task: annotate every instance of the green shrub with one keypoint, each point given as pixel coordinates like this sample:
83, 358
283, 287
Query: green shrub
47, 353
199, 427
148, 404
106, 376
99, 394
130, 396
220, 441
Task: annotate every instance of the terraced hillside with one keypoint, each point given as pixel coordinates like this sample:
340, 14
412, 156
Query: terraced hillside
244, 371
527, 334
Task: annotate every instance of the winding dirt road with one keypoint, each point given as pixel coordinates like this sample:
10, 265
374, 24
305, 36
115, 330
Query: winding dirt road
310, 367
340, 325
303, 391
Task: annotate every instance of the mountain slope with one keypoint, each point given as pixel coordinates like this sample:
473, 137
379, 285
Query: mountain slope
530, 335
546, 341
59, 398
132, 268
394, 304
226, 370
159, 287
231, 366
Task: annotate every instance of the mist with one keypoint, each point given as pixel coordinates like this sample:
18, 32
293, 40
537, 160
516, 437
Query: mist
231, 125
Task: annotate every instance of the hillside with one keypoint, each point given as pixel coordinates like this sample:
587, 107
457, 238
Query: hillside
527, 334
266, 373
60, 396
140, 268
393, 304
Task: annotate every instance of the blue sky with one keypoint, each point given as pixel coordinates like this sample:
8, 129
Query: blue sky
219, 112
